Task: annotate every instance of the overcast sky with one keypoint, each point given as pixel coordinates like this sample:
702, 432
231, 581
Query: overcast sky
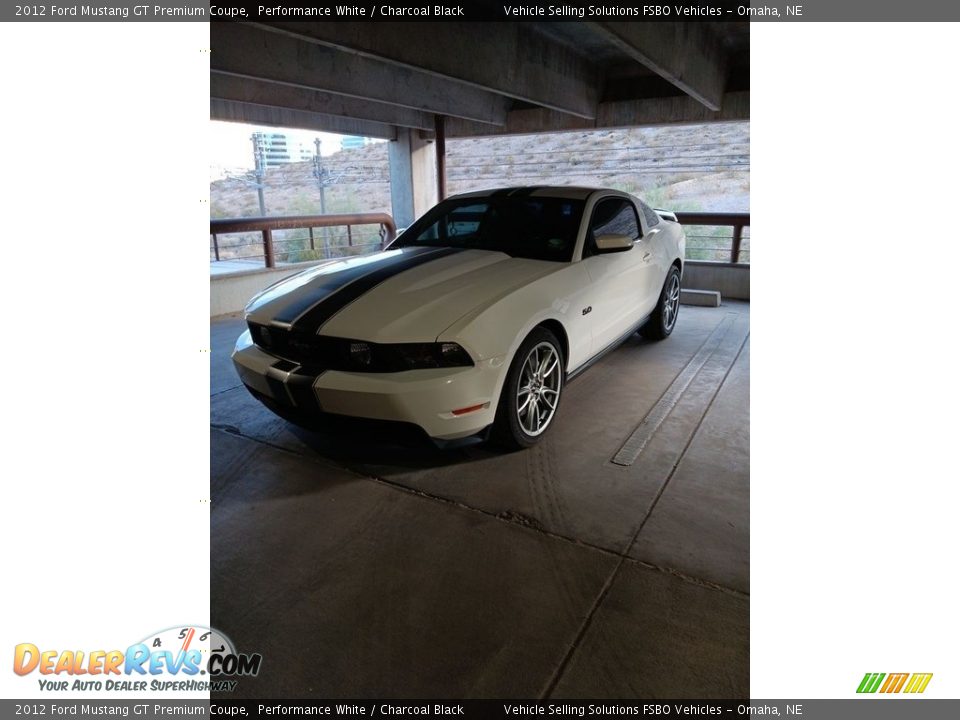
231, 149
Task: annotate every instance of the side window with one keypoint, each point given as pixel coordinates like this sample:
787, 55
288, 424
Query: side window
613, 215
649, 215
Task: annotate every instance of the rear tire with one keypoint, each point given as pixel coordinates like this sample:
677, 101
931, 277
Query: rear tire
664, 317
531, 392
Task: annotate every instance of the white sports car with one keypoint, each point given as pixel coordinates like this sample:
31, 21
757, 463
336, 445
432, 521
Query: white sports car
471, 322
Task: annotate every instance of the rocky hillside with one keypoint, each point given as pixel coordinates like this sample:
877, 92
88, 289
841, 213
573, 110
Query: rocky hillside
691, 167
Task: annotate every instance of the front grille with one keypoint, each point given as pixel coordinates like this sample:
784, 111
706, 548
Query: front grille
302, 348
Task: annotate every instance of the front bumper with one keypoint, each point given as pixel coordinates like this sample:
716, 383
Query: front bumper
424, 398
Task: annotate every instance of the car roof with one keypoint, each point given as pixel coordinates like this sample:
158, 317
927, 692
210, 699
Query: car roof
557, 191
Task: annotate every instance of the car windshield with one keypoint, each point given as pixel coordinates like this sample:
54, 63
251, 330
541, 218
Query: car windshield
526, 227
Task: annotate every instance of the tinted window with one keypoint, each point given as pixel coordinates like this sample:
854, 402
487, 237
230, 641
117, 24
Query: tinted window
649, 215
529, 227
459, 222
615, 216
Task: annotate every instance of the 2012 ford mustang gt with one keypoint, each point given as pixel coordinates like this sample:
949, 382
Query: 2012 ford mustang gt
472, 321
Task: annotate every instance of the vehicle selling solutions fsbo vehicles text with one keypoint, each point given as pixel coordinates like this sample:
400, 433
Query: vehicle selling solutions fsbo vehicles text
572, 11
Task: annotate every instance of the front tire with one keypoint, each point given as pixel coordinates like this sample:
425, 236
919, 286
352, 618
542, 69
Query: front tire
664, 317
531, 393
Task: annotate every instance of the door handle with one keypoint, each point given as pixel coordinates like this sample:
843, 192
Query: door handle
646, 256
653, 232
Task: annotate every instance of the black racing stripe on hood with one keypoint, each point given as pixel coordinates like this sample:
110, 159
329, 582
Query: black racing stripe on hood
313, 319
335, 281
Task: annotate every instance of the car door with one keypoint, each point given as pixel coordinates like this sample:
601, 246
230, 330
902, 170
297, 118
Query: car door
620, 281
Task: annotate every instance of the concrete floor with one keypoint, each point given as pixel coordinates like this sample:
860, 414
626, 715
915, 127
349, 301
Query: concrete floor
364, 570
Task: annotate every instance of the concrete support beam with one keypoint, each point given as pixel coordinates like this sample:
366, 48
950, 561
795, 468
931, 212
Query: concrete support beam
440, 152
413, 176
248, 52
258, 92
621, 113
424, 162
688, 55
284, 117
507, 58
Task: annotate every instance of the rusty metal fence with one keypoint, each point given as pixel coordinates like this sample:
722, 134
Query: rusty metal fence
269, 241
717, 237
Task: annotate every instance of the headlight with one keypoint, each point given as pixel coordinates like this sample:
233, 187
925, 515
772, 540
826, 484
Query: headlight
373, 357
360, 354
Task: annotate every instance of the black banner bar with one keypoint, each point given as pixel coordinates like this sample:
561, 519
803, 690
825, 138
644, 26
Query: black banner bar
539, 11
872, 708
481, 709
485, 10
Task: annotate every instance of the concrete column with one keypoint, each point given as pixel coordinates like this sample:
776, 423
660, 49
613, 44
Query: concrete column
413, 176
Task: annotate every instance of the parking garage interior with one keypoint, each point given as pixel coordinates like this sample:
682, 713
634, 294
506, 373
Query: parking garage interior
591, 565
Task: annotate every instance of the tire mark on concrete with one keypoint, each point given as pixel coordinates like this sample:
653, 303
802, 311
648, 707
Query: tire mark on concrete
542, 479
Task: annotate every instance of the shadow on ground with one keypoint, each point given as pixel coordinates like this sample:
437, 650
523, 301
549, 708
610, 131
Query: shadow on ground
408, 571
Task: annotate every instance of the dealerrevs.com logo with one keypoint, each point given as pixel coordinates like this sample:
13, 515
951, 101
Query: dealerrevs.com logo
894, 683
181, 659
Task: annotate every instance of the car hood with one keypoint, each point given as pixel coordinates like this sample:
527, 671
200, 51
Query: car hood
404, 295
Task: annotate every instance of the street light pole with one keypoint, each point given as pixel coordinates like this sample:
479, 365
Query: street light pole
259, 170
320, 173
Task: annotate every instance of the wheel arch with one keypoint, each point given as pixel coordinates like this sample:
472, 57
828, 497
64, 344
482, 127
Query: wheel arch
560, 332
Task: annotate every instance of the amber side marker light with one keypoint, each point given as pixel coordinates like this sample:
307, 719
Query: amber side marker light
472, 408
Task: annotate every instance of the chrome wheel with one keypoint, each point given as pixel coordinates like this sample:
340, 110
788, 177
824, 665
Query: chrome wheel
538, 388
671, 302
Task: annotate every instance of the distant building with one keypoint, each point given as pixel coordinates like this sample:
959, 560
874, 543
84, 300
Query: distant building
352, 141
281, 149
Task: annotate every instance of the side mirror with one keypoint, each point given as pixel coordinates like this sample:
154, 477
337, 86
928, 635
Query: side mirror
613, 242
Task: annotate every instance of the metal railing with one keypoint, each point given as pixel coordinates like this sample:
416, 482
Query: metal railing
738, 246
267, 225
733, 250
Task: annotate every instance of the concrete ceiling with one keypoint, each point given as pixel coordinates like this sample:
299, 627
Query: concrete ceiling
482, 78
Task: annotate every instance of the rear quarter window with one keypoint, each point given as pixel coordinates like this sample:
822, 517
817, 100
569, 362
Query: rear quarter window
649, 216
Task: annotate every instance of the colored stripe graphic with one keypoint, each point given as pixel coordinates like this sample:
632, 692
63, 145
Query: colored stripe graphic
870, 682
894, 682
918, 682
326, 307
